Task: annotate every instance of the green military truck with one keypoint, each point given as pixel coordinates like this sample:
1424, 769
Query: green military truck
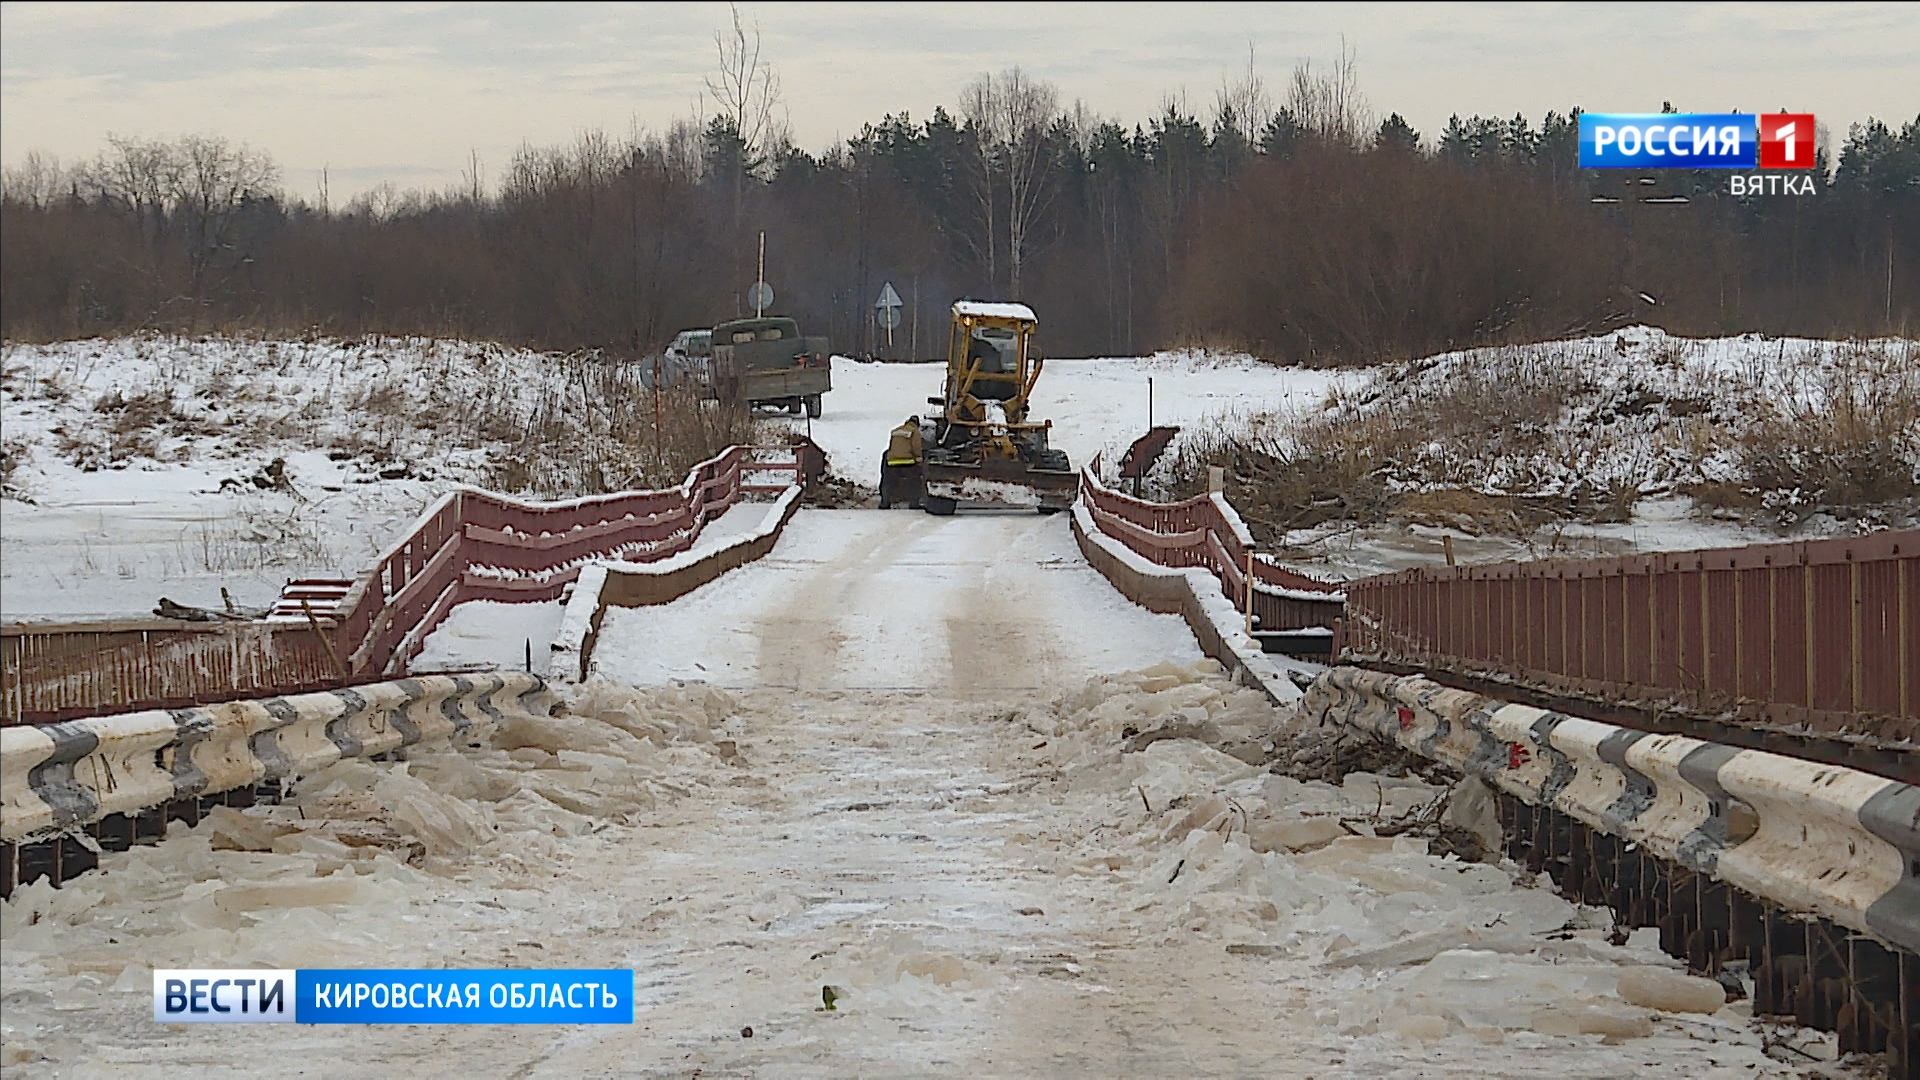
767, 362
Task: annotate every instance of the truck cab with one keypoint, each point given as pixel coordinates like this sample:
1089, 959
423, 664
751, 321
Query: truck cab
688, 359
692, 345
769, 363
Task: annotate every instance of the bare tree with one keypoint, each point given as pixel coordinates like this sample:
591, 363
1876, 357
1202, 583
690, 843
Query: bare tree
977, 106
1329, 107
1014, 115
1242, 105
746, 90
137, 173
38, 181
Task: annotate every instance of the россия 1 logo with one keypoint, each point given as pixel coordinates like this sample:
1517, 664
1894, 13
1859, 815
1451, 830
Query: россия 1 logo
1786, 140
1696, 141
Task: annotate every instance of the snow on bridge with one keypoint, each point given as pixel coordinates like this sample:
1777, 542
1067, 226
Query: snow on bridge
856, 599
911, 788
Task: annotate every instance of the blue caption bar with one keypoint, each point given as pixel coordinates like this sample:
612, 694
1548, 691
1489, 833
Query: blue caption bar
1669, 141
486, 996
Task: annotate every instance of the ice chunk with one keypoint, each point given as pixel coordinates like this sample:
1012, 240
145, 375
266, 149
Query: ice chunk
942, 969
1421, 1027
231, 830
1472, 808
1294, 834
1581, 1018
1338, 856
340, 889
1483, 988
1670, 991
447, 826
1421, 948
1200, 815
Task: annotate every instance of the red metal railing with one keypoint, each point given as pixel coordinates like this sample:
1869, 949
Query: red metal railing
469, 545
1205, 532
478, 545
60, 672
1822, 634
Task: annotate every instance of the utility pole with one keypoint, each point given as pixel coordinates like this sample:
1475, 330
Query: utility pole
760, 275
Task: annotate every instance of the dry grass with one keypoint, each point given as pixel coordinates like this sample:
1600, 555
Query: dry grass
13, 454
1849, 440
1506, 441
547, 425
596, 431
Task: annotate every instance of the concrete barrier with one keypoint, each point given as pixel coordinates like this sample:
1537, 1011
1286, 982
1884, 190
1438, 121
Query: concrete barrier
54, 777
622, 584
1830, 841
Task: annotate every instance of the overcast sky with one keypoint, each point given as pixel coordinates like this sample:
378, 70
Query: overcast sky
404, 91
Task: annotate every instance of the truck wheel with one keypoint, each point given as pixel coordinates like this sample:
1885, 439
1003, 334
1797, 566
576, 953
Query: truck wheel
795, 406
938, 506
813, 406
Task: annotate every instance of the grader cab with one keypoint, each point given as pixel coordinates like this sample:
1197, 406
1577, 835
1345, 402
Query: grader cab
980, 448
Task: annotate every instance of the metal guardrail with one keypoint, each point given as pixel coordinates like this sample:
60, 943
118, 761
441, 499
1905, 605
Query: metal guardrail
468, 545
73, 789
1805, 872
1822, 636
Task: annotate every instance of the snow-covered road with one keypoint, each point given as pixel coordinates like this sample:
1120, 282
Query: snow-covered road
971, 605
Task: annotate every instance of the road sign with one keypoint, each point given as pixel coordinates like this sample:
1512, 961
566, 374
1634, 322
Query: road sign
888, 306
760, 296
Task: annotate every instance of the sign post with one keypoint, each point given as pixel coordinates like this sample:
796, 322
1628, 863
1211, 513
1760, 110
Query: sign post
760, 280
888, 309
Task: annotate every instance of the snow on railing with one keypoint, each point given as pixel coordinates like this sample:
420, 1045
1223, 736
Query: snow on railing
481, 545
1205, 531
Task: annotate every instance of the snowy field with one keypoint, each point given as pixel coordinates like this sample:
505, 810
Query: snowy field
132, 462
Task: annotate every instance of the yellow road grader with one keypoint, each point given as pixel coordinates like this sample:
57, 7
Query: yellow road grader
981, 449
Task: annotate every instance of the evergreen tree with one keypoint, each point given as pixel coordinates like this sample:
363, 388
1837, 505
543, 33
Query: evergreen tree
1396, 136
1281, 137
1878, 160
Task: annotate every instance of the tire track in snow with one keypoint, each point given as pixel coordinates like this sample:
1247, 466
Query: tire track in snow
799, 646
